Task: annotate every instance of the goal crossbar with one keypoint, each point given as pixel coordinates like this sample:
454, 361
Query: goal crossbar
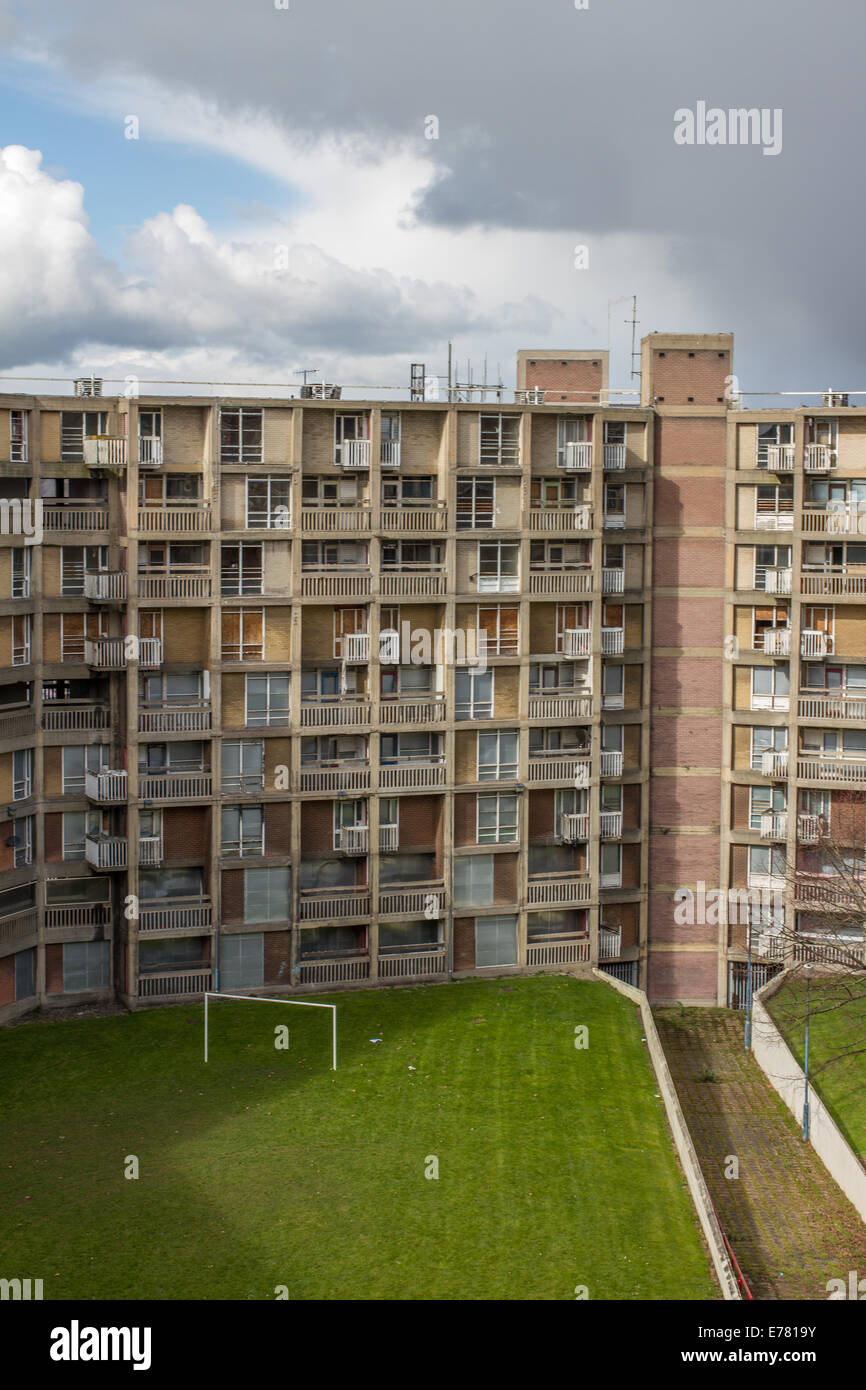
260, 999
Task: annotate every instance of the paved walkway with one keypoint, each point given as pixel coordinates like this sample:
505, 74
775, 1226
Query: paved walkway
789, 1225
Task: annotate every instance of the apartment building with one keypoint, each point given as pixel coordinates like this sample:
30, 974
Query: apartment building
305, 694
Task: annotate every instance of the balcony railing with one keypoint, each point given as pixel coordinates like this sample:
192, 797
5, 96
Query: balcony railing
560, 519
610, 825
829, 584
178, 586
818, 458
389, 453
810, 828
834, 521
611, 763
110, 653
559, 581
575, 457
774, 763
407, 518
558, 889
834, 950
564, 707
612, 581
107, 586
832, 707
345, 778
193, 717
71, 716
422, 581
497, 583
62, 916
106, 852
573, 826
569, 951
412, 776
774, 825
614, 521
18, 926
331, 972
348, 583
178, 915
354, 839
345, 517
56, 516
829, 893
413, 900
774, 520
576, 642
323, 904
175, 518
174, 786
165, 984
609, 943
411, 964
407, 709
107, 788
614, 456
612, 641
17, 722
150, 452
815, 645
343, 711
354, 647
845, 771
772, 581
778, 458
108, 452
355, 453
558, 769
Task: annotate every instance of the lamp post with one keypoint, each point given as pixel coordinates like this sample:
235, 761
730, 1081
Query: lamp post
748, 1034
808, 969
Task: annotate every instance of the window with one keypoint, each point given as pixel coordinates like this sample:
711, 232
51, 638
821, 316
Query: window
570, 740
766, 862
243, 765
496, 819
613, 687
348, 623
574, 620
330, 492
21, 572
556, 493
22, 837
771, 437
75, 427
614, 431
770, 687
337, 555
473, 880
610, 864
570, 430
76, 629
762, 801
77, 761
242, 961
85, 965
349, 815
241, 570
766, 741
18, 422
560, 555
409, 555
473, 694
268, 504
554, 677
183, 688
168, 885
240, 436
77, 825
349, 430
497, 755
407, 492
21, 630
243, 830
266, 895
75, 562
328, 683
243, 634
187, 755
476, 502
25, 974
394, 936
496, 940
22, 774
267, 701
150, 437
498, 567
404, 748
499, 440
499, 625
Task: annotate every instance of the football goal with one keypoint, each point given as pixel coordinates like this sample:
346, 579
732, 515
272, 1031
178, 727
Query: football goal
258, 999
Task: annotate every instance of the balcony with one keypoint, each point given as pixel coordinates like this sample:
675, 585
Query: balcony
106, 452
339, 970
573, 827
19, 927
560, 518
410, 965
174, 786
333, 904
412, 581
412, 775
150, 451
611, 763
815, 645
192, 915
576, 642
842, 771
558, 890
411, 519
830, 949
389, 453
834, 521
350, 582
57, 516
781, 519
175, 518
64, 916
193, 717
609, 943
107, 586
775, 764
413, 900
557, 580
567, 950
612, 581
773, 581
107, 852
354, 839
106, 788
324, 777
829, 893
770, 702
110, 653
610, 825
810, 828
818, 458
833, 584
17, 721
349, 517
614, 456
497, 583
74, 716
174, 984
612, 641
575, 458
341, 712
614, 521
778, 458
774, 825
825, 706
355, 453
560, 706
354, 647
406, 709
553, 770
188, 585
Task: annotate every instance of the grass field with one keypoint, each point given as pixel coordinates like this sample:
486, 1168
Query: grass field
833, 1034
265, 1168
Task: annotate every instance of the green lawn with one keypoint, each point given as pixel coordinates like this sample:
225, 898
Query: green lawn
834, 1034
265, 1168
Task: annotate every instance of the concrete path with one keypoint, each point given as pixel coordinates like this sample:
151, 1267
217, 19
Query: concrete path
790, 1227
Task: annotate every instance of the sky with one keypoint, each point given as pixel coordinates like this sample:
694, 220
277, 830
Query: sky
234, 190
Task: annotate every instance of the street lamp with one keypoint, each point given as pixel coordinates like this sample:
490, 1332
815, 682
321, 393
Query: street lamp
748, 1033
808, 969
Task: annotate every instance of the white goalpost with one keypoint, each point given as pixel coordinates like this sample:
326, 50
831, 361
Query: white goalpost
258, 998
